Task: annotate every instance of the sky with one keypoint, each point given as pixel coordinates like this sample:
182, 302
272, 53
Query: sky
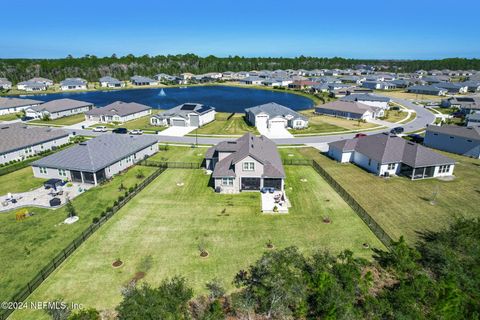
371, 29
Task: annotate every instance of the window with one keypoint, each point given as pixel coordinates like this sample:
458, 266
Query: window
43, 170
248, 166
391, 166
444, 169
62, 172
227, 182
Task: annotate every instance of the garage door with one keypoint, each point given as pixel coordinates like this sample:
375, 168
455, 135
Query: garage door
277, 124
178, 123
194, 120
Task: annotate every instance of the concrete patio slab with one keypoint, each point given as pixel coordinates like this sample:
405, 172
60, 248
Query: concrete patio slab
176, 131
272, 200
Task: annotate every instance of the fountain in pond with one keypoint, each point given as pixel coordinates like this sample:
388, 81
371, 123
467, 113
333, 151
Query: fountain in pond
162, 93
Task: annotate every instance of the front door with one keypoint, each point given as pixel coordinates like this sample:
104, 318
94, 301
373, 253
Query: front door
250, 183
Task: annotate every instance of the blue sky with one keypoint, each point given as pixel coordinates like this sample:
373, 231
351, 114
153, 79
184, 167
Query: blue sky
421, 29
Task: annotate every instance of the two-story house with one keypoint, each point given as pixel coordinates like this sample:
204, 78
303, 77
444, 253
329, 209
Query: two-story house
249, 163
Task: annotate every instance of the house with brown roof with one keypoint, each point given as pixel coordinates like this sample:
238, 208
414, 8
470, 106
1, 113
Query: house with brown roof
455, 139
385, 154
246, 164
350, 110
58, 108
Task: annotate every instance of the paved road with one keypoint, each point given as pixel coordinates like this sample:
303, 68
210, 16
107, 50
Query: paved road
424, 117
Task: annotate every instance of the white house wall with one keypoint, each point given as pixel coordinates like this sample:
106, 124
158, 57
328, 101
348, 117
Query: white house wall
24, 153
207, 117
16, 109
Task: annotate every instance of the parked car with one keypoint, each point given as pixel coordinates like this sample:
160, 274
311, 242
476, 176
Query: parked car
100, 129
397, 130
359, 135
136, 131
416, 138
120, 130
26, 118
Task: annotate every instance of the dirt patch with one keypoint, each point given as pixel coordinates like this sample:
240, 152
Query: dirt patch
138, 276
204, 254
117, 263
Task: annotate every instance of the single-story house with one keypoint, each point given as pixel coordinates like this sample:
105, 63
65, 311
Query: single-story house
378, 85
401, 83
143, 81
349, 110
96, 160
453, 87
431, 90
465, 104
164, 76
385, 154
455, 139
271, 115
118, 111
185, 115
246, 164
369, 100
473, 119
253, 80
45, 81
19, 141
13, 105
5, 84
110, 82
31, 86
472, 86
58, 108
73, 84
302, 84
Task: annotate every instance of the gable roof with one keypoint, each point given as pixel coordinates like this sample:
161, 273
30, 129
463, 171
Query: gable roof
97, 153
347, 106
365, 97
118, 108
17, 136
142, 79
184, 110
73, 82
109, 79
387, 148
60, 105
6, 103
260, 148
274, 110
472, 132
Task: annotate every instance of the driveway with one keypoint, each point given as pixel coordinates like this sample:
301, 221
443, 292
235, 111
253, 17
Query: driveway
275, 132
176, 131
85, 124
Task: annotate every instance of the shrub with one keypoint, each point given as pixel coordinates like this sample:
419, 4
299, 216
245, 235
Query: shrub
103, 214
131, 189
95, 220
120, 198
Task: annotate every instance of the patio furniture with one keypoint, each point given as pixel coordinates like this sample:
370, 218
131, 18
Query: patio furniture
55, 202
52, 184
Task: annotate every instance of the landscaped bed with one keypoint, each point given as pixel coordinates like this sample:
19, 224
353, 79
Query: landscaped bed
28, 245
173, 225
402, 206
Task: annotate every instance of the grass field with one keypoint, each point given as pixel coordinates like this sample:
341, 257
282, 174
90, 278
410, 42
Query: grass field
236, 125
446, 110
322, 123
8, 117
180, 154
29, 245
168, 223
65, 121
19, 181
402, 206
142, 123
401, 94
394, 116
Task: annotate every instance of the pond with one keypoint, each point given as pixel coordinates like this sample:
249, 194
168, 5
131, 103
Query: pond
223, 98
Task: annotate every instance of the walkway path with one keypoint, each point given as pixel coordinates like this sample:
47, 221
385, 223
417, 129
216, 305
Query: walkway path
176, 131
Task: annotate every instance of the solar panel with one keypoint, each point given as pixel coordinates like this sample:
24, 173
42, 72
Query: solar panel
203, 109
188, 107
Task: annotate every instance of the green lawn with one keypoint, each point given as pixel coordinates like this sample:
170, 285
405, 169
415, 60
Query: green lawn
169, 222
394, 115
179, 154
324, 124
446, 110
29, 245
142, 123
236, 125
19, 181
9, 117
402, 206
65, 121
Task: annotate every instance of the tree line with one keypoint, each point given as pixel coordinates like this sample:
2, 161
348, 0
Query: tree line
91, 67
438, 278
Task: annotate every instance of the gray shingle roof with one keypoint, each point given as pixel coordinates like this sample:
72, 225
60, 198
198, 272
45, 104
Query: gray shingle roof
387, 148
142, 79
119, 108
6, 103
73, 82
260, 148
109, 79
33, 84
275, 110
17, 136
97, 153
60, 105
365, 97
472, 132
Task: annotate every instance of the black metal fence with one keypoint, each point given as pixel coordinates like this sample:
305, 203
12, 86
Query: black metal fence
359, 210
172, 165
65, 253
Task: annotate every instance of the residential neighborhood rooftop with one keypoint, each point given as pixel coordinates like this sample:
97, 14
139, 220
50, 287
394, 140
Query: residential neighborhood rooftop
119, 108
61, 105
274, 109
6, 103
97, 153
17, 136
471, 132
